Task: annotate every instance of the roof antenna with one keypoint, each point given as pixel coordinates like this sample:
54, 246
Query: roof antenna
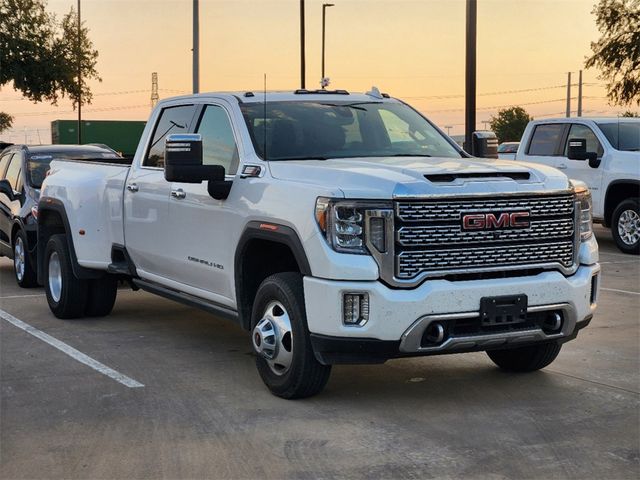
374, 92
264, 122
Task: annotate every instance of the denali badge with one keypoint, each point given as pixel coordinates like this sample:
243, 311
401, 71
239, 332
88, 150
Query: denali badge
490, 221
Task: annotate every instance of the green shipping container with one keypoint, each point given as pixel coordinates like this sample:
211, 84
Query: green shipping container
121, 135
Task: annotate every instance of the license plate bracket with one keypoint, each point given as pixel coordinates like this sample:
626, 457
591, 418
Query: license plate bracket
503, 310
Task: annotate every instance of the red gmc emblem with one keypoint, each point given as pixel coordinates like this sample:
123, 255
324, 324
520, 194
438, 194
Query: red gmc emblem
490, 221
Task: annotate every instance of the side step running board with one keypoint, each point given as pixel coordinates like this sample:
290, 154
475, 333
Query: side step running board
186, 299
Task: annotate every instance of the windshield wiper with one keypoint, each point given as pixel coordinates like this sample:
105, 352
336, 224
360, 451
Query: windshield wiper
354, 105
410, 155
299, 158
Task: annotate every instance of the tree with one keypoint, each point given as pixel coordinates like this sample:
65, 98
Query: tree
630, 114
6, 121
617, 53
41, 55
510, 123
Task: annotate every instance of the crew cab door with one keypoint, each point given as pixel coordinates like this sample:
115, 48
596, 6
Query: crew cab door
580, 169
146, 199
201, 225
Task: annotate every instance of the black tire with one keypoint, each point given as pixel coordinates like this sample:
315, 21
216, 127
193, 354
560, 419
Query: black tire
305, 376
27, 278
525, 359
72, 296
101, 296
628, 206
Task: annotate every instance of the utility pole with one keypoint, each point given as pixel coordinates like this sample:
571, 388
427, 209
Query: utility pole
154, 89
79, 59
324, 15
580, 93
568, 94
448, 127
196, 47
302, 59
470, 75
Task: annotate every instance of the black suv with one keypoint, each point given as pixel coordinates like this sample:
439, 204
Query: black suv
22, 171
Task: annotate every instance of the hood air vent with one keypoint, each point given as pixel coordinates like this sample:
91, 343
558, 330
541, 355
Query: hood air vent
452, 177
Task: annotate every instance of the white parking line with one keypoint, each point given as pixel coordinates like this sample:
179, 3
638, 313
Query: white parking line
619, 291
72, 352
23, 296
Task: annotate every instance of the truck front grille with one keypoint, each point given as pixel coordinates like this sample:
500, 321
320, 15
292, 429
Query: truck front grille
430, 239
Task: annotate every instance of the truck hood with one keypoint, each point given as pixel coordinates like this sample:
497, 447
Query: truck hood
404, 177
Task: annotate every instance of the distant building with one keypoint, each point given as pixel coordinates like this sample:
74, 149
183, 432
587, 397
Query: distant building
121, 135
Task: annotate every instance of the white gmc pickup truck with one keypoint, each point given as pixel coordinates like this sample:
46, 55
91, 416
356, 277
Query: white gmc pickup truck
335, 227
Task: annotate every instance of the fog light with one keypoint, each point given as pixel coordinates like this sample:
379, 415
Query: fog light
355, 308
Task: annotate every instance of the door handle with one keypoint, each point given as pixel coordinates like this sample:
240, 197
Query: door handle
179, 193
562, 166
132, 187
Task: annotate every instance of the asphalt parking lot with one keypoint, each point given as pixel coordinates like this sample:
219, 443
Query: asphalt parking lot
197, 408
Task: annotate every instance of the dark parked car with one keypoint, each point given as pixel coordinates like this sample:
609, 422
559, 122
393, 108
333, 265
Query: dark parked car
22, 171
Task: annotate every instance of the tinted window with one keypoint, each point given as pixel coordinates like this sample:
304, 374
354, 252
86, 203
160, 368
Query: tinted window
172, 120
508, 148
546, 139
13, 172
622, 136
4, 161
582, 131
308, 129
218, 143
38, 162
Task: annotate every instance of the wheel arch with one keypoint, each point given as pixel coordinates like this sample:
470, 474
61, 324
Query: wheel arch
264, 249
52, 220
623, 189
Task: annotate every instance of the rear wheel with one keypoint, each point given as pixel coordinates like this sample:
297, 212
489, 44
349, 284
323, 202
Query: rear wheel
525, 359
625, 225
280, 338
66, 294
22, 266
101, 296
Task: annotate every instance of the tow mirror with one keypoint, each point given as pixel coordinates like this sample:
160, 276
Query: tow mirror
183, 160
485, 144
7, 189
577, 150
183, 163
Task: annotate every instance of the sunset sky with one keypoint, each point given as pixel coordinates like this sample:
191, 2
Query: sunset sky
412, 49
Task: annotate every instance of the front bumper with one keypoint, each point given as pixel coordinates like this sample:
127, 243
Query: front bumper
398, 318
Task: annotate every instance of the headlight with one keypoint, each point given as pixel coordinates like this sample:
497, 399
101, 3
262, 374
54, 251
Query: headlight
345, 224
583, 197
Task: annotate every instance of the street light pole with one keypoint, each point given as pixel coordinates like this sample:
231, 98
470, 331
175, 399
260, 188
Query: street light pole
196, 47
470, 75
302, 59
324, 16
79, 54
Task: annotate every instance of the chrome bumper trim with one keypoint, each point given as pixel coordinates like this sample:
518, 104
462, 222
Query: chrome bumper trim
411, 338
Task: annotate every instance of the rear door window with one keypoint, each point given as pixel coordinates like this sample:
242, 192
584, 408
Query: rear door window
546, 139
172, 120
4, 161
13, 172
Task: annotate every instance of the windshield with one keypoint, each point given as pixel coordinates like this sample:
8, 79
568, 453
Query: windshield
323, 130
38, 163
624, 136
508, 148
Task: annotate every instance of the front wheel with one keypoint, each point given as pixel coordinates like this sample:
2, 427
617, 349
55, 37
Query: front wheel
525, 359
280, 338
625, 225
66, 294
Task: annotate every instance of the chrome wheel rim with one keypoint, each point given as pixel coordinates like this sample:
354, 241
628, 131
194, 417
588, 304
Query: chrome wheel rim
272, 338
629, 227
19, 258
55, 277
